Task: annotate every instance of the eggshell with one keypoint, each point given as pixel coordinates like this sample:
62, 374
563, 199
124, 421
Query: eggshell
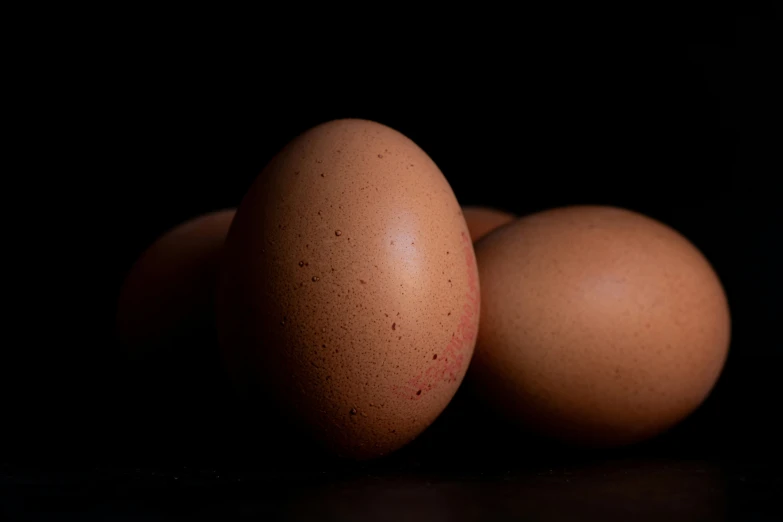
481, 220
600, 326
349, 289
168, 293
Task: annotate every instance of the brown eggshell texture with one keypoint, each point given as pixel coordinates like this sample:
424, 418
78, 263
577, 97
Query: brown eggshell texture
350, 287
169, 290
600, 326
482, 220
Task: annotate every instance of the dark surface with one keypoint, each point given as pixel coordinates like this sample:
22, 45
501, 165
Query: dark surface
616, 489
467, 466
669, 114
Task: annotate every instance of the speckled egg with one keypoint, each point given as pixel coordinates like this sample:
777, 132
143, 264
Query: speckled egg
168, 294
599, 326
349, 289
482, 220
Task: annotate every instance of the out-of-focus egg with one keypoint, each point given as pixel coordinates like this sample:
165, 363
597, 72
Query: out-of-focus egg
168, 293
481, 220
349, 288
599, 326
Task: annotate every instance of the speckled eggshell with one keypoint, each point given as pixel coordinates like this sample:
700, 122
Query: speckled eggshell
169, 291
482, 220
350, 288
600, 326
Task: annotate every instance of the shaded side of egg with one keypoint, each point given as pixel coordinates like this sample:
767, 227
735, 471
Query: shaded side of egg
483, 220
168, 293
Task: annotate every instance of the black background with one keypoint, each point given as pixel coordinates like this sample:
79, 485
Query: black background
670, 114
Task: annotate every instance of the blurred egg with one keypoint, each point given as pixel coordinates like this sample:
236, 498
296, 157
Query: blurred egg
482, 220
168, 293
599, 326
349, 290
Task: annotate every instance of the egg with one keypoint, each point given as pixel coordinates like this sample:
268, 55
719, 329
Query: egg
599, 326
349, 290
168, 293
483, 220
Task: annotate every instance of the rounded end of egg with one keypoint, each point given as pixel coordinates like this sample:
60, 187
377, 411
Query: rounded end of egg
483, 220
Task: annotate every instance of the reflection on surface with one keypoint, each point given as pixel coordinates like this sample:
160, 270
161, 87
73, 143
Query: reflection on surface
622, 489
652, 490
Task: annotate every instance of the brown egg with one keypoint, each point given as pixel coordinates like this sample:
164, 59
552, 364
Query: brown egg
168, 294
481, 220
599, 326
349, 287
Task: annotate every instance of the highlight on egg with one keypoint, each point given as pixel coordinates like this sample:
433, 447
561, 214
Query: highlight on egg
599, 326
349, 290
